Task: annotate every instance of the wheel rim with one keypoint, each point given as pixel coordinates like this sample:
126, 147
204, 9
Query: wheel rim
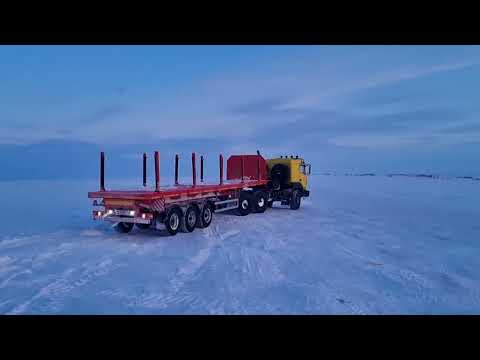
261, 202
207, 215
191, 218
174, 221
245, 204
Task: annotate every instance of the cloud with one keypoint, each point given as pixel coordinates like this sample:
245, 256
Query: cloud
105, 113
461, 128
251, 106
371, 81
258, 107
376, 141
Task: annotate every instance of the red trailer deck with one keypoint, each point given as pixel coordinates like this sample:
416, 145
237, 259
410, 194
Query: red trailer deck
176, 191
185, 206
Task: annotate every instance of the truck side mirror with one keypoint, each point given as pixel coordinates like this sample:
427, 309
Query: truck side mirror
309, 169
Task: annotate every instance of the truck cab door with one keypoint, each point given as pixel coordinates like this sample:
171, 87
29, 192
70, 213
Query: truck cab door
304, 171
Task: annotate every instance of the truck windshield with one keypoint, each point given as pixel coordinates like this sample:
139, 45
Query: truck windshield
305, 169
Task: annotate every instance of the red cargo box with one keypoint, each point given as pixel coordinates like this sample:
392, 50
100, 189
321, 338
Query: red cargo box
254, 167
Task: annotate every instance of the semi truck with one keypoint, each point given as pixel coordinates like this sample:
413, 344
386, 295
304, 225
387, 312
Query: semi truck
252, 185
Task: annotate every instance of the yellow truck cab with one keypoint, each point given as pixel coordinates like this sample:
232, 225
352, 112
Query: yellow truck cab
288, 177
298, 169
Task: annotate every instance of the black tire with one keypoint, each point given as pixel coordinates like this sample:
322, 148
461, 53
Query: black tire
296, 200
270, 203
124, 227
190, 219
244, 204
173, 220
260, 199
279, 176
206, 216
143, 226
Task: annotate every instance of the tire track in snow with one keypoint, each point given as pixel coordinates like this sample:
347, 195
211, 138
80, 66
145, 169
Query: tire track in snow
61, 287
5, 282
409, 279
186, 273
32, 263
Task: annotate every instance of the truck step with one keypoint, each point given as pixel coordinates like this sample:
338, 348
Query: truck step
229, 205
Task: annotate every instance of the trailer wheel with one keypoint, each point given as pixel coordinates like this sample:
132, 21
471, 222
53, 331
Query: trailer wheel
259, 202
244, 204
124, 227
173, 220
295, 200
206, 216
190, 219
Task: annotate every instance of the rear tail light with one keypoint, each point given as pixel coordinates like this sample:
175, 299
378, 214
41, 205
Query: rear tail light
147, 216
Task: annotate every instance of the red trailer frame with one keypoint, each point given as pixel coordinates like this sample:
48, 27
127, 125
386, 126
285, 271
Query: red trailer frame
245, 174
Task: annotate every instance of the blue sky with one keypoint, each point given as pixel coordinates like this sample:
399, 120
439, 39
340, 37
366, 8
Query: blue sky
345, 108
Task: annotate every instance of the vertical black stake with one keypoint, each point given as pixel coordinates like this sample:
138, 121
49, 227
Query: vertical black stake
157, 171
220, 158
176, 169
194, 170
144, 169
102, 171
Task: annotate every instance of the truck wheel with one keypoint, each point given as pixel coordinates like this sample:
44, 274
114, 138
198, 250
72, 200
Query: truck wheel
270, 203
244, 204
259, 202
124, 227
190, 218
172, 220
206, 216
295, 200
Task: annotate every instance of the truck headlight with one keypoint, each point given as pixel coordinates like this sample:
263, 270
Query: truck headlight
132, 213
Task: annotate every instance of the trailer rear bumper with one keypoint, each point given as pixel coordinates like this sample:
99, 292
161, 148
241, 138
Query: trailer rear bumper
98, 215
117, 219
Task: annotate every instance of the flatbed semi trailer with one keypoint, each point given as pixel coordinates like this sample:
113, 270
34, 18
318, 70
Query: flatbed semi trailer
250, 186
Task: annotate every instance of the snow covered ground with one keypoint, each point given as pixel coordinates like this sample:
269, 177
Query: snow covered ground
358, 245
